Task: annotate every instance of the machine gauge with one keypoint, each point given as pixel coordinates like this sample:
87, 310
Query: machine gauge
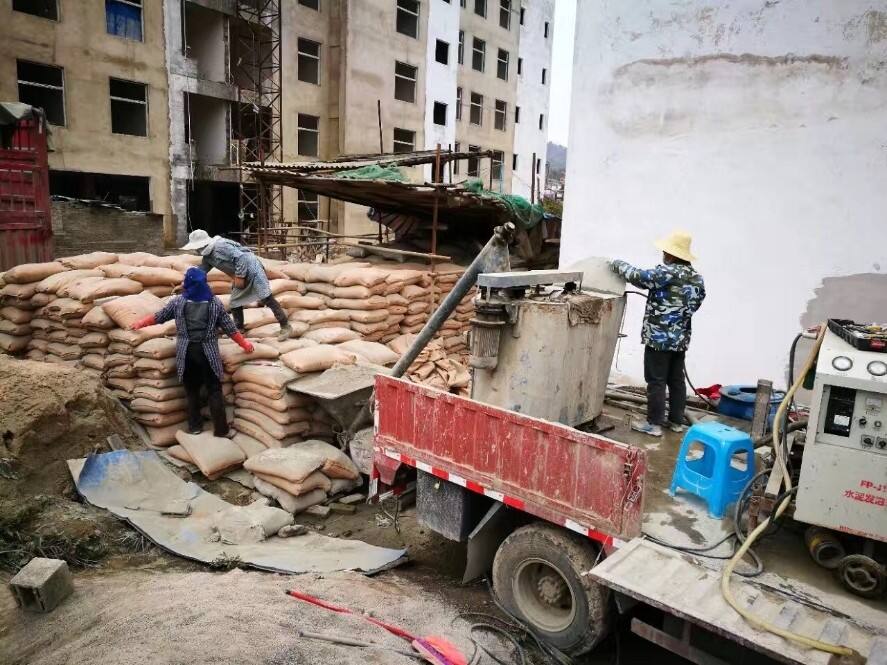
842, 363
877, 368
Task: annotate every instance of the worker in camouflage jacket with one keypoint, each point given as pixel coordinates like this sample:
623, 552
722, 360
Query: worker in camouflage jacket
675, 292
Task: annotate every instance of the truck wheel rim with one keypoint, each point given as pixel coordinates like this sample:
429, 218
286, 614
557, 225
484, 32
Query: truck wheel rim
544, 596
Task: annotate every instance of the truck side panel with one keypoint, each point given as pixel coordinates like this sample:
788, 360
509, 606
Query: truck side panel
550, 470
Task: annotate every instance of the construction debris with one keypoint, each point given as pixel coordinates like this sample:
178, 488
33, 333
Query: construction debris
42, 584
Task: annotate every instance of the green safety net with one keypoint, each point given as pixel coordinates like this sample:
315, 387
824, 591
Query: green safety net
373, 172
525, 214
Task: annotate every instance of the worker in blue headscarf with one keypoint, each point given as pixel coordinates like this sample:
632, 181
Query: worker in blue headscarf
198, 314
250, 281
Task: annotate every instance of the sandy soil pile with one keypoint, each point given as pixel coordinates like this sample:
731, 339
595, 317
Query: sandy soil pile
235, 617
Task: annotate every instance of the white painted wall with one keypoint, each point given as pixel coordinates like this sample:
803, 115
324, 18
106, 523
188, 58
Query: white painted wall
760, 127
440, 80
532, 96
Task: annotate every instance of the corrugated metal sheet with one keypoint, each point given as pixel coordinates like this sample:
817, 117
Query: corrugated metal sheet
682, 585
559, 473
356, 161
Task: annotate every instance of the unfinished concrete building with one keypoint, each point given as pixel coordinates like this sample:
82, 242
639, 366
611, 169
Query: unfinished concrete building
97, 69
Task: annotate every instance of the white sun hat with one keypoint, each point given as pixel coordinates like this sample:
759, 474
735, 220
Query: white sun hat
197, 239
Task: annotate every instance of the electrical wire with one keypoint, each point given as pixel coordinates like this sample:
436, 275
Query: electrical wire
779, 467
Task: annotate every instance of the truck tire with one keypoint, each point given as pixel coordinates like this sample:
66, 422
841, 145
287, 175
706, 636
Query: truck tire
540, 576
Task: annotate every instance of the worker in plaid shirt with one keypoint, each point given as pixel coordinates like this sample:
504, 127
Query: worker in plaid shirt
198, 315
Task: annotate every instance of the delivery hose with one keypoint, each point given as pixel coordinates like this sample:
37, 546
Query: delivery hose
780, 467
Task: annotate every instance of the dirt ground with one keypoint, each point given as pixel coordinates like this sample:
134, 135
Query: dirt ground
134, 603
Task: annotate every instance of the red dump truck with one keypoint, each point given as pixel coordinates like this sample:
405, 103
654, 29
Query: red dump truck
576, 526
25, 222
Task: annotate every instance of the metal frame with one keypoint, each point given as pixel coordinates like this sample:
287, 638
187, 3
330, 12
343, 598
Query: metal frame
259, 42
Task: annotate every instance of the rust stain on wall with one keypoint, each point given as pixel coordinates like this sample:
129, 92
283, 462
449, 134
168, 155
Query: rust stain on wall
746, 59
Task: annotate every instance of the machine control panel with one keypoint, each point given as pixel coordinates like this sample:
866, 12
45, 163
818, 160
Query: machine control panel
853, 419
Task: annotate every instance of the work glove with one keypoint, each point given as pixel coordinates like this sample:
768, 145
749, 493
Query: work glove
243, 342
141, 323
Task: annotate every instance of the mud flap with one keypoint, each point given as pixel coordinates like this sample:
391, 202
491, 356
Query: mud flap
485, 539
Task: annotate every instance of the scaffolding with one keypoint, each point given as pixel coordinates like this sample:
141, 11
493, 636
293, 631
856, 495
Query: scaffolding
256, 71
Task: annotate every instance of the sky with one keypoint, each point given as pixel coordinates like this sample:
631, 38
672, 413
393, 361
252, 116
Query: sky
562, 70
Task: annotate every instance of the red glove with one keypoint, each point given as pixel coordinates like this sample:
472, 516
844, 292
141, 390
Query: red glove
243, 342
141, 323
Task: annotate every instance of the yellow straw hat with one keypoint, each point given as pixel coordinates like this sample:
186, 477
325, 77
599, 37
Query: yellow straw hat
677, 244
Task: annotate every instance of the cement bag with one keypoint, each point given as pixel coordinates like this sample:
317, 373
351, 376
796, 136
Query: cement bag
97, 319
290, 503
279, 286
373, 302
243, 525
135, 259
13, 344
412, 292
273, 329
88, 261
156, 395
401, 343
257, 316
296, 301
251, 429
156, 276
68, 308
220, 288
121, 372
320, 289
157, 348
283, 418
272, 428
159, 419
163, 437
270, 376
394, 320
317, 358
10, 328
19, 292
255, 389
248, 445
179, 453
163, 366
117, 359
288, 345
378, 354
288, 402
367, 315
160, 384
93, 361
360, 277
26, 273
357, 292
330, 324
315, 481
331, 335
396, 300
412, 329
36, 354
39, 344
368, 328
233, 355
41, 324
16, 315
106, 288
94, 340
342, 485
292, 464
297, 271
135, 338
213, 455
405, 277
336, 463
324, 272
127, 310
53, 283
116, 270
121, 383
418, 307
311, 316
57, 336
65, 351
144, 405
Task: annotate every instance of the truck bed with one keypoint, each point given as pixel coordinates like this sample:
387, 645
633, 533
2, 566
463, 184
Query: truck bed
793, 591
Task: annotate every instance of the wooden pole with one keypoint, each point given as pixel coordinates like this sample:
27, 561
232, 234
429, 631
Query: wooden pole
533, 179
435, 177
492, 159
450, 162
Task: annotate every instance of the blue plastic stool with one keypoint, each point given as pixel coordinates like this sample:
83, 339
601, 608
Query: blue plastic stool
713, 477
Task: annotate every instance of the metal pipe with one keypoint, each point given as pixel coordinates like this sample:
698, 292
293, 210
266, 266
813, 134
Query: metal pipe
492, 258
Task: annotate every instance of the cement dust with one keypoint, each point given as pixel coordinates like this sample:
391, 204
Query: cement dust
235, 617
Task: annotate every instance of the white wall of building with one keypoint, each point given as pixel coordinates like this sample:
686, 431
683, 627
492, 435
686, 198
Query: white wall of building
440, 79
759, 127
532, 95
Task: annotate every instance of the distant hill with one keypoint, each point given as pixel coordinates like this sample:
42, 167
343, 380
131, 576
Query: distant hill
557, 157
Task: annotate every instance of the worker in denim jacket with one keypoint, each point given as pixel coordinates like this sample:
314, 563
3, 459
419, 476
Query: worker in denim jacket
675, 292
250, 281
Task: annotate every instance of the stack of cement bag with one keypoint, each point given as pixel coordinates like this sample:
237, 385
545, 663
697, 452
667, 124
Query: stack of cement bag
78, 311
302, 475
